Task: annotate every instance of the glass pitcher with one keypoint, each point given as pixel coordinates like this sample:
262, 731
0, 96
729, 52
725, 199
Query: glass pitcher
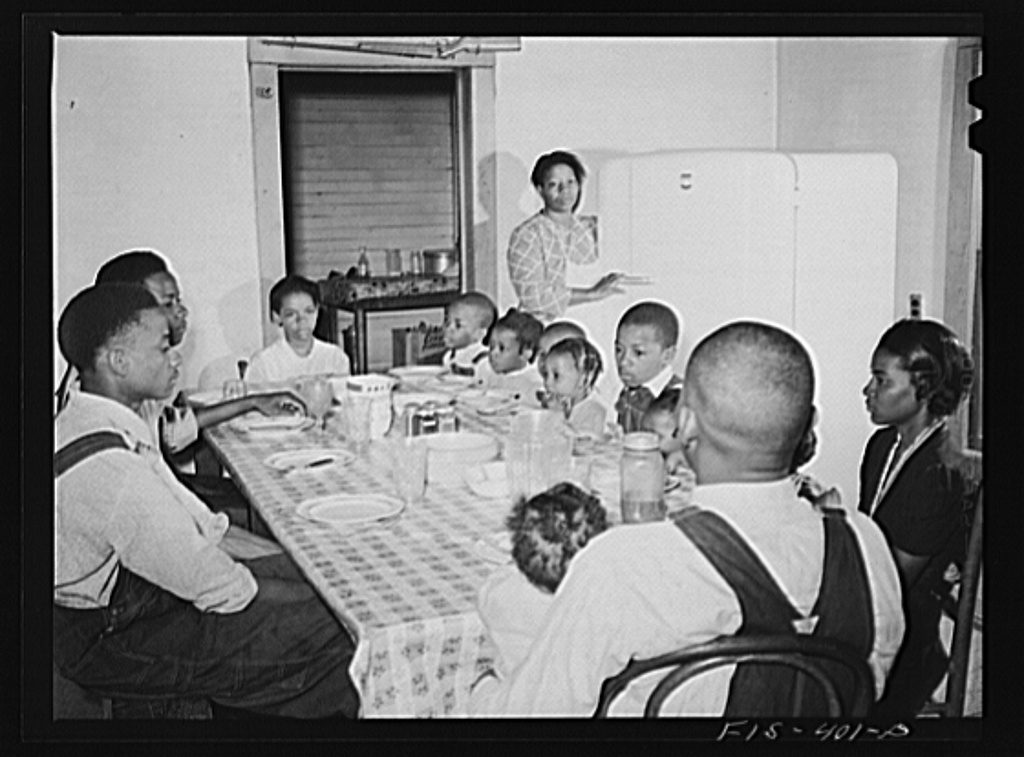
538, 451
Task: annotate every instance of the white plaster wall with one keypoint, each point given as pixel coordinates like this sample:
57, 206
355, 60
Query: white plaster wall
153, 145
153, 148
602, 98
881, 95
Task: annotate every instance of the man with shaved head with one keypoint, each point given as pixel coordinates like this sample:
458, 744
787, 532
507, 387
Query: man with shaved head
749, 557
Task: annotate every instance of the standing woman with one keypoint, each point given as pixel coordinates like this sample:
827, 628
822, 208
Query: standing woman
540, 246
911, 485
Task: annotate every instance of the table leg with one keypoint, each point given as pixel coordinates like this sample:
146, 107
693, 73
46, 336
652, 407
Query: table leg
361, 346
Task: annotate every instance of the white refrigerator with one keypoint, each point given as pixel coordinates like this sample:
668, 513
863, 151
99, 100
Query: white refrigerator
803, 240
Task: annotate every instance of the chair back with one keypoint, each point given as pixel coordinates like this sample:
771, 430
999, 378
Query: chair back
964, 621
804, 653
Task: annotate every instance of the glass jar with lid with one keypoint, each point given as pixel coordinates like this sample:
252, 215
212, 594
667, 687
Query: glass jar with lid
642, 471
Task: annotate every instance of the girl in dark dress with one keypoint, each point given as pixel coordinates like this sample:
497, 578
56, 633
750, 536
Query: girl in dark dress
911, 485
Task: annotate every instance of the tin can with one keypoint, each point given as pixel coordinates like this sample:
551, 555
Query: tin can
425, 420
447, 420
409, 419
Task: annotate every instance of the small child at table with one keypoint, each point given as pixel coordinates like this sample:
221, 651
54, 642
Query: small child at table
645, 346
806, 485
570, 371
467, 321
294, 306
662, 418
554, 333
548, 530
512, 346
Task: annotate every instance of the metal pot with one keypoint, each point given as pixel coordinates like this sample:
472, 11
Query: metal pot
438, 261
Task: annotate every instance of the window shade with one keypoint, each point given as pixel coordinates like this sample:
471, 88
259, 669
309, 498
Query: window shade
368, 161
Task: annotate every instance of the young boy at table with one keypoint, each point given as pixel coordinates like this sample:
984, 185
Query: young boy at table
662, 418
467, 322
547, 530
645, 346
294, 307
175, 423
510, 365
156, 597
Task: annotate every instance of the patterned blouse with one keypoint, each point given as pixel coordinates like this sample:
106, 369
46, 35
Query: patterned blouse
538, 249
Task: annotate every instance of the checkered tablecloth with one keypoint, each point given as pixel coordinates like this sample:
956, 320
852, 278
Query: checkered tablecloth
406, 591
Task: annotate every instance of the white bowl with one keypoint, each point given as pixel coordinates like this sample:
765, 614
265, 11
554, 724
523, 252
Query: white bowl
489, 480
449, 453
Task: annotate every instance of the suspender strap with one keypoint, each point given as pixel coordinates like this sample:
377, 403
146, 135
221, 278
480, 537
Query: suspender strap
765, 608
844, 601
77, 450
843, 611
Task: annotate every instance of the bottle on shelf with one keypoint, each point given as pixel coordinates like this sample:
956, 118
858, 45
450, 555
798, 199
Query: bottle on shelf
363, 264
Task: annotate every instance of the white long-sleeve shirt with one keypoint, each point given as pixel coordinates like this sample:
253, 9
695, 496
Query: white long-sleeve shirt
643, 590
125, 507
279, 362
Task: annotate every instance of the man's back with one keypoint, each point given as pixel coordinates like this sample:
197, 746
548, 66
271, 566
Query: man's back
644, 590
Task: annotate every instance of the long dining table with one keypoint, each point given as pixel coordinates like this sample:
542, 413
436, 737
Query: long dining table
405, 588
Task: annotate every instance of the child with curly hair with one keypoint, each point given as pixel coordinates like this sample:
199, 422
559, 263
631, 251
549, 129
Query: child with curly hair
547, 530
570, 370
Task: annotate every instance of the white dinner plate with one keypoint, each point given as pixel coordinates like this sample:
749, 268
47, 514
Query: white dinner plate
255, 423
204, 398
216, 396
298, 459
400, 399
455, 380
350, 510
416, 371
490, 402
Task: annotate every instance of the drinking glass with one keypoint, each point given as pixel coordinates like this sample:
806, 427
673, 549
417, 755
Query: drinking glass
409, 467
317, 394
357, 420
234, 388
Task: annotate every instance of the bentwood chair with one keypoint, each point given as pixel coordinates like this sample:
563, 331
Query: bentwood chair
804, 653
960, 604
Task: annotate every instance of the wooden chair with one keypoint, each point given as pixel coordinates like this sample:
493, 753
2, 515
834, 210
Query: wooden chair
959, 605
804, 653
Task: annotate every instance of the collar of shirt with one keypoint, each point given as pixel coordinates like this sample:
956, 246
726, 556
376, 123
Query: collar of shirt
465, 355
659, 382
94, 410
754, 506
